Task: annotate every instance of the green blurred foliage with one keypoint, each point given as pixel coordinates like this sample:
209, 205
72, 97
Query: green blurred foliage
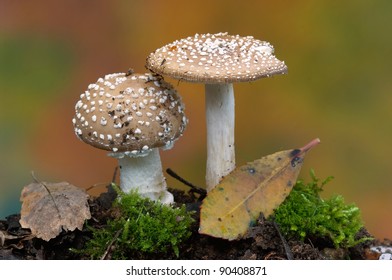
32, 71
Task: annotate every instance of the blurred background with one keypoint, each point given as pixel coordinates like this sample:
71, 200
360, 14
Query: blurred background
338, 89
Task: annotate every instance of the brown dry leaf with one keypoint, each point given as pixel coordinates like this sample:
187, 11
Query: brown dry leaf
5, 236
13, 241
47, 208
257, 187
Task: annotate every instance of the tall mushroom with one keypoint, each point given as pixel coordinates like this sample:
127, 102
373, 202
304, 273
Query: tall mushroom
218, 61
132, 115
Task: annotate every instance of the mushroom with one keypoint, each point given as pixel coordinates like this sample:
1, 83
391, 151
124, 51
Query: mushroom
217, 60
132, 115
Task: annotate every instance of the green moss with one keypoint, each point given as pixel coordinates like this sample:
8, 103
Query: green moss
304, 214
143, 228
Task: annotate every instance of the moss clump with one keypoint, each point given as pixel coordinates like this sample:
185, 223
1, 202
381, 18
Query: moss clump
304, 214
142, 228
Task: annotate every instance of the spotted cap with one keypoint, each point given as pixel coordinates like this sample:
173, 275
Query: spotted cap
130, 113
216, 59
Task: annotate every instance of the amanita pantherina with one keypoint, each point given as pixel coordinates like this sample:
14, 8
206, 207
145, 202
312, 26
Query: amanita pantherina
132, 115
218, 61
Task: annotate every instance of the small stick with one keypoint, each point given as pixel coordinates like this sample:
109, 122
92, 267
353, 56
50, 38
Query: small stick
194, 188
103, 257
108, 185
286, 246
115, 174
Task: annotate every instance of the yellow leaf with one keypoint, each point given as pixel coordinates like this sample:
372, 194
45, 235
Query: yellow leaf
254, 188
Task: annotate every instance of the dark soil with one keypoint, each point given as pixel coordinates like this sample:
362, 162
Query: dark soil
264, 240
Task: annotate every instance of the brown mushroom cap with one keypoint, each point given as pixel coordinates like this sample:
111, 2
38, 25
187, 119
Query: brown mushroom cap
216, 59
129, 113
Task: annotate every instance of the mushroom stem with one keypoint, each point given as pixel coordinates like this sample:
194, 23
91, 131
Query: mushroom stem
219, 102
144, 173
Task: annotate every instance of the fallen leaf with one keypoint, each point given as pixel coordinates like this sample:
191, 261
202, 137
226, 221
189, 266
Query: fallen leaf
2, 238
48, 208
255, 188
12, 241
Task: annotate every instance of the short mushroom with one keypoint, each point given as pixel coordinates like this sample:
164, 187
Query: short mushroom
132, 115
218, 61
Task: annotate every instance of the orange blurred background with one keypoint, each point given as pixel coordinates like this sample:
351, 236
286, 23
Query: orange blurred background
338, 89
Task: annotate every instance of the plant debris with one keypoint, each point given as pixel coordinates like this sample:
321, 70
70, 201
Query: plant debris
49, 208
255, 188
262, 242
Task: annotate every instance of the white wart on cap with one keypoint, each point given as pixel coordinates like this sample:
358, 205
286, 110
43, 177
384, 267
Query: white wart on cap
218, 61
132, 115
216, 58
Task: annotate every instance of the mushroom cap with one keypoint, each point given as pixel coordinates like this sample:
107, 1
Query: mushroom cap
130, 113
216, 59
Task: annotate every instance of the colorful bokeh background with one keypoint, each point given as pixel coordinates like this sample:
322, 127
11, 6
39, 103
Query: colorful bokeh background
338, 89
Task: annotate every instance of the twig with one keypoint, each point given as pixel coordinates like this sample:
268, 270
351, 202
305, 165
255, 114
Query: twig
114, 174
286, 246
47, 189
108, 185
311, 243
202, 192
103, 257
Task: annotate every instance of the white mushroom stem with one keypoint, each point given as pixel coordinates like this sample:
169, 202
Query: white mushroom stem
219, 101
144, 173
